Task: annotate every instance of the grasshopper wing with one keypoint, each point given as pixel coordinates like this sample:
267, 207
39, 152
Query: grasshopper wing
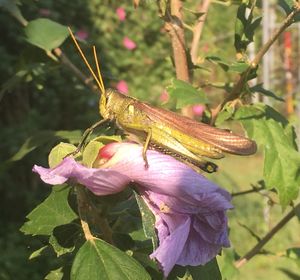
220, 138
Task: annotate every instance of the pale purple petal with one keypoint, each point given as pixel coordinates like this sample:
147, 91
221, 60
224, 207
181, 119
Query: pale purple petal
99, 181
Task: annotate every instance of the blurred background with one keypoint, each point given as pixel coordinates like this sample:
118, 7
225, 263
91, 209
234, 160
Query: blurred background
43, 102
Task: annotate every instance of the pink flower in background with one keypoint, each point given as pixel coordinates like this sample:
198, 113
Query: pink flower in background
81, 34
121, 13
189, 210
198, 110
129, 44
122, 87
164, 97
44, 12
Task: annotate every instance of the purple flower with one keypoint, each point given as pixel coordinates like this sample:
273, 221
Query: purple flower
189, 209
129, 44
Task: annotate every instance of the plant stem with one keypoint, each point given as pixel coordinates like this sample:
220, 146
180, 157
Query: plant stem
254, 189
88, 81
198, 30
174, 27
256, 249
238, 88
85, 209
82, 209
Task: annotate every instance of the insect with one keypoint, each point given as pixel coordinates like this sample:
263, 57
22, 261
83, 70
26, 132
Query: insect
185, 139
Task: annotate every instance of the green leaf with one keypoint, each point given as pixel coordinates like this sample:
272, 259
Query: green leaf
39, 139
52, 212
244, 28
98, 260
64, 237
58, 153
148, 220
229, 271
46, 34
282, 160
288, 6
37, 252
56, 274
13, 9
42, 138
90, 153
186, 94
238, 66
260, 89
210, 271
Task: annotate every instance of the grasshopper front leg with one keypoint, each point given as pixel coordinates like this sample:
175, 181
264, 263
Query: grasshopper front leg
86, 134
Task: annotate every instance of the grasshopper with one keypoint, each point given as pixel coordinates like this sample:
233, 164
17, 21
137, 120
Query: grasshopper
185, 139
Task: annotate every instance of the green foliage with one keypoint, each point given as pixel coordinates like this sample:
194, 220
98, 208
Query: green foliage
282, 160
99, 260
45, 34
208, 272
54, 211
185, 94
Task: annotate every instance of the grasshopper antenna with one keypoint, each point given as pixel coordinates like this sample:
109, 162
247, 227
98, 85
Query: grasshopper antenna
98, 79
98, 70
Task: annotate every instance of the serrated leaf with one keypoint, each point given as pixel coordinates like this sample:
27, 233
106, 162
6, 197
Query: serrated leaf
58, 153
98, 260
282, 160
13, 9
186, 94
56, 274
52, 212
227, 66
148, 220
90, 153
45, 33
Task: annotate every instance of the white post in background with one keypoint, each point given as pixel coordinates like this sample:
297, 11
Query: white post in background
266, 58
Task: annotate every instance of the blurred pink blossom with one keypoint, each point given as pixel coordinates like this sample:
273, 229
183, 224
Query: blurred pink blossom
44, 12
129, 44
121, 13
81, 34
198, 110
164, 97
122, 87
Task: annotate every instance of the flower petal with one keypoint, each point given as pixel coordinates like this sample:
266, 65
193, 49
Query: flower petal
99, 181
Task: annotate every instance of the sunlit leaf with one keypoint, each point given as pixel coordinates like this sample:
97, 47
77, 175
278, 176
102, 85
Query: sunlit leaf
52, 212
282, 160
97, 259
45, 33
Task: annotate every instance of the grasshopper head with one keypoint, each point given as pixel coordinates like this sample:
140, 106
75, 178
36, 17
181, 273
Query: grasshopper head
110, 103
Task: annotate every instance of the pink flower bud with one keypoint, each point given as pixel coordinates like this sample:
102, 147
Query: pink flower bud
81, 34
129, 44
122, 87
198, 110
164, 97
121, 13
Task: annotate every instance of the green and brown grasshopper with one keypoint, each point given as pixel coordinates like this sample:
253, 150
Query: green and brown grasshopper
185, 139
